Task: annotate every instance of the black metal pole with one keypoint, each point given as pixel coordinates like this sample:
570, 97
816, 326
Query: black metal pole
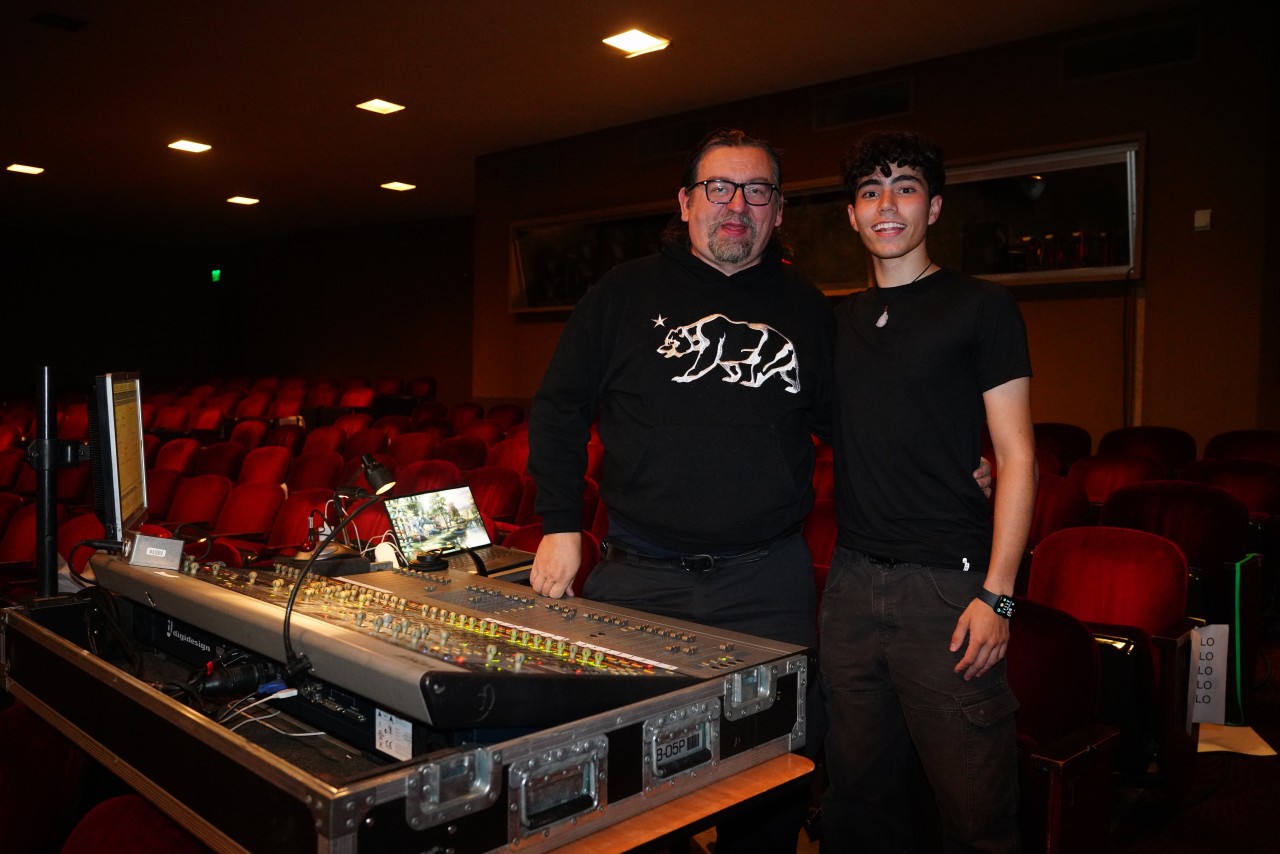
46, 462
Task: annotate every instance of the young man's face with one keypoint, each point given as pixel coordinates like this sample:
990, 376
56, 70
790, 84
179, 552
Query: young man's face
892, 215
731, 237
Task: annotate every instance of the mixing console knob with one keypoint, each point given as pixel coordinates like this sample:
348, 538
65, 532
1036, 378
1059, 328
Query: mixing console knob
253, 576
491, 652
277, 585
444, 636
518, 661
360, 618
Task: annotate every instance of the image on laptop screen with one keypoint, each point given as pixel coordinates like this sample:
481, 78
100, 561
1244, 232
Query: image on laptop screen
443, 521
447, 524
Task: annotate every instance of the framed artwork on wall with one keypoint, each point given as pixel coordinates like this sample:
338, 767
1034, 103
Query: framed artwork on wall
556, 262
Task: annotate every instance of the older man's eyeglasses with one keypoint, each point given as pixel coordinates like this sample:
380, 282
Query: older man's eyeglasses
722, 192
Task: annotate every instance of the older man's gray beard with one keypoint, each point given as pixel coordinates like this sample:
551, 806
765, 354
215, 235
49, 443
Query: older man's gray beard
731, 250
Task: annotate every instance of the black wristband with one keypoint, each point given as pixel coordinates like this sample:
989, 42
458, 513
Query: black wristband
1002, 605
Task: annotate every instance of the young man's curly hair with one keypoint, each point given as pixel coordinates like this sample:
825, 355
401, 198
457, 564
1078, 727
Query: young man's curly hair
885, 149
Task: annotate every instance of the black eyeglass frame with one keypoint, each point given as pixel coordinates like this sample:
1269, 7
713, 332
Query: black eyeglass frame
706, 189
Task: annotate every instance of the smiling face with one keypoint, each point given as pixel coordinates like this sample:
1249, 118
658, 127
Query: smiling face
892, 213
731, 237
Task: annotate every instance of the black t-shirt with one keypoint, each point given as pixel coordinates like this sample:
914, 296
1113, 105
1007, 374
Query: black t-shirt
910, 415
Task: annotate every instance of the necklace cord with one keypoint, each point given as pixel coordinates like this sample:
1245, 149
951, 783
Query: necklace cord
884, 316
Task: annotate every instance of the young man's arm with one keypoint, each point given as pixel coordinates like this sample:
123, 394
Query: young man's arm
1009, 422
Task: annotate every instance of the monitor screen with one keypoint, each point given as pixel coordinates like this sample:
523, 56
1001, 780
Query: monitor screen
117, 455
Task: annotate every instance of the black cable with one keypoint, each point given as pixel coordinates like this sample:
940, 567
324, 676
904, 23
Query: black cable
206, 537
105, 604
192, 698
481, 569
97, 545
295, 665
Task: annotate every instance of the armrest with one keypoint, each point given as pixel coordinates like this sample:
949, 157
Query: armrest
1177, 633
17, 571
256, 537
17, 576
192, 532
1071, 754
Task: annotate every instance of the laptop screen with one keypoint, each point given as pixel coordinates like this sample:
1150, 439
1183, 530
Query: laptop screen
445, 521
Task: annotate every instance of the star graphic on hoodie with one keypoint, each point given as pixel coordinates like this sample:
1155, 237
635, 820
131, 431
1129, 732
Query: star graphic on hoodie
659, 320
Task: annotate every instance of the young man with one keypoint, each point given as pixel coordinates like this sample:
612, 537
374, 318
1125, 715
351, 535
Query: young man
915, 612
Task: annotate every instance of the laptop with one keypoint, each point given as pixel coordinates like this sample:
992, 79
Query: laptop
446, 523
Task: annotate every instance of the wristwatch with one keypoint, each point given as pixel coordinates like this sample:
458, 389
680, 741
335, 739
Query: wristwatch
1002, 605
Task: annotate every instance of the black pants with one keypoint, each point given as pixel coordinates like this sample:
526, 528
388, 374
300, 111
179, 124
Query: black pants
773, 598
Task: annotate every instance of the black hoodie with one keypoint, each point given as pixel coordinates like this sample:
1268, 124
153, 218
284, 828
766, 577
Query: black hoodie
707, 389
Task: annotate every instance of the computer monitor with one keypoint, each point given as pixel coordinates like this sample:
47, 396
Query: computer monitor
117, 455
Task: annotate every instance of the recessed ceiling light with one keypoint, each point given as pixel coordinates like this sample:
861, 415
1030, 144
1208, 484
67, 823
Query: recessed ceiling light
188, 145
26, 170
398, 185
377, 105
636, 42
242, 200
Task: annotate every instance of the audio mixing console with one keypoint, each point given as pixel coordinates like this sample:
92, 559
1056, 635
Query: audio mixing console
449, 649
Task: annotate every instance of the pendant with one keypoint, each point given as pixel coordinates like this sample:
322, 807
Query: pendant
884, 318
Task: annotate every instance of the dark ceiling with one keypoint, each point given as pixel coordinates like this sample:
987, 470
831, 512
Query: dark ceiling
93, 92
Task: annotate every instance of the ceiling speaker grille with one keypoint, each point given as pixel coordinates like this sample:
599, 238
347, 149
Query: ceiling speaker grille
58, 22
675, 140
534, 166
862, 104
1178, 41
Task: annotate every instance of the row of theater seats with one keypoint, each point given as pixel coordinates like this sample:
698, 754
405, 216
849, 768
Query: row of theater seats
1141, 539
210, 406
189, 482
434, 445
1076, 482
